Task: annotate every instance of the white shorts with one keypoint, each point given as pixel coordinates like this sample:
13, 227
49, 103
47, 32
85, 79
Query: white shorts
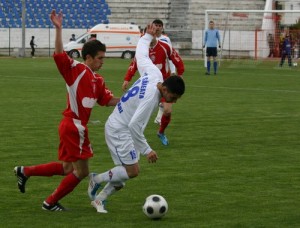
121, 146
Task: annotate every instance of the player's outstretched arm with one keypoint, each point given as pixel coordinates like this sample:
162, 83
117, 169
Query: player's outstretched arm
142, 50
113, 101
57, 22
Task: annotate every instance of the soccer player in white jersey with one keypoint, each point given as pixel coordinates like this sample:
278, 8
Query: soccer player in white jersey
85, 88
160, 52
124, 129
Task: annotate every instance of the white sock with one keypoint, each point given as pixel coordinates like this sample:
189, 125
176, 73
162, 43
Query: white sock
116, 174
109, 189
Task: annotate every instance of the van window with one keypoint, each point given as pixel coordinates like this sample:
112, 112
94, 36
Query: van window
116, 39
81, 39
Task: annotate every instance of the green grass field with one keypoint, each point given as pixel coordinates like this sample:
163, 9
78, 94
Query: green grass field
233, 158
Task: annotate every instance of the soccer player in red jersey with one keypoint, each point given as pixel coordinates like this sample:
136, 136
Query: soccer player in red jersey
85, 89
160, 52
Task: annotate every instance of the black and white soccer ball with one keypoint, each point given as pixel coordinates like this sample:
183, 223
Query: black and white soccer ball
155, 206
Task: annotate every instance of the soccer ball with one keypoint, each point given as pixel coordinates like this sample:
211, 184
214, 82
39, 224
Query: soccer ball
155, 206
295, 64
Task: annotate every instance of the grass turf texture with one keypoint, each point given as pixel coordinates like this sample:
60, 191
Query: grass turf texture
233, 158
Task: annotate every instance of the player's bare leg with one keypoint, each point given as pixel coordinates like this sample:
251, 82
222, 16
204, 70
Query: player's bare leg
159, 113
165, 120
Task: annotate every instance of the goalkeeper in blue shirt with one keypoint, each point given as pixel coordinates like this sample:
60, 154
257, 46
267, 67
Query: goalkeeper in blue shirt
211, 41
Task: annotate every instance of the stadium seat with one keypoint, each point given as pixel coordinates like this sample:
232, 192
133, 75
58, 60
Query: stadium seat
75, 12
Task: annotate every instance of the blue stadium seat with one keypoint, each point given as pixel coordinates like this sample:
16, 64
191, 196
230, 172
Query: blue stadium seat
77, 13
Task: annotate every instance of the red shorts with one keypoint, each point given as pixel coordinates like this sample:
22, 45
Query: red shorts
74, 141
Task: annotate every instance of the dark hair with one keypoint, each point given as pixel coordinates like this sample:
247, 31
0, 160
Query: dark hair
92, 48
175, 84
211, 22
158, 21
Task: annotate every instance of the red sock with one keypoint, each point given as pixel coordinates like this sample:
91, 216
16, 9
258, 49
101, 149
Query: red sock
48, 170
66, 186
165, 120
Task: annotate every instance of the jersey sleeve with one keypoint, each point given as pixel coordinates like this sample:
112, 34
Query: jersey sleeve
218, 37
139, 122
66, 67
172, 67
105, 94
144, 63
177, 61
131, 70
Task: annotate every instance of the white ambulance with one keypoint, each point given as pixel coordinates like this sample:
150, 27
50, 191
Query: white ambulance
120, 40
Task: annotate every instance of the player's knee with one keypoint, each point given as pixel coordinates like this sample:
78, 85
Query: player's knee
167, 110
167, 113
81, 173
68, 168
133, 174
133, 171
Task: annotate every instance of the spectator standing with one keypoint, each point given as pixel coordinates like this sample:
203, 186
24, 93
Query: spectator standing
32, 45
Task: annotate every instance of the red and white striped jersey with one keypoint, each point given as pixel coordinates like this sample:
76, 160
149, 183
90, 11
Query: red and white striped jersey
159, 54
84, 87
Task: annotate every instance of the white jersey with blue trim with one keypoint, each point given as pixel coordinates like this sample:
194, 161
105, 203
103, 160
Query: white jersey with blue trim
165, 39
137, 104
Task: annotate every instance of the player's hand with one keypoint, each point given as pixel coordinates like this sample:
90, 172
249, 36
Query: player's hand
125, 85
152, 157
151, 29
56, 18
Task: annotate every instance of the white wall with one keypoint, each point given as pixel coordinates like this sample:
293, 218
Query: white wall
43, 37
291, 18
